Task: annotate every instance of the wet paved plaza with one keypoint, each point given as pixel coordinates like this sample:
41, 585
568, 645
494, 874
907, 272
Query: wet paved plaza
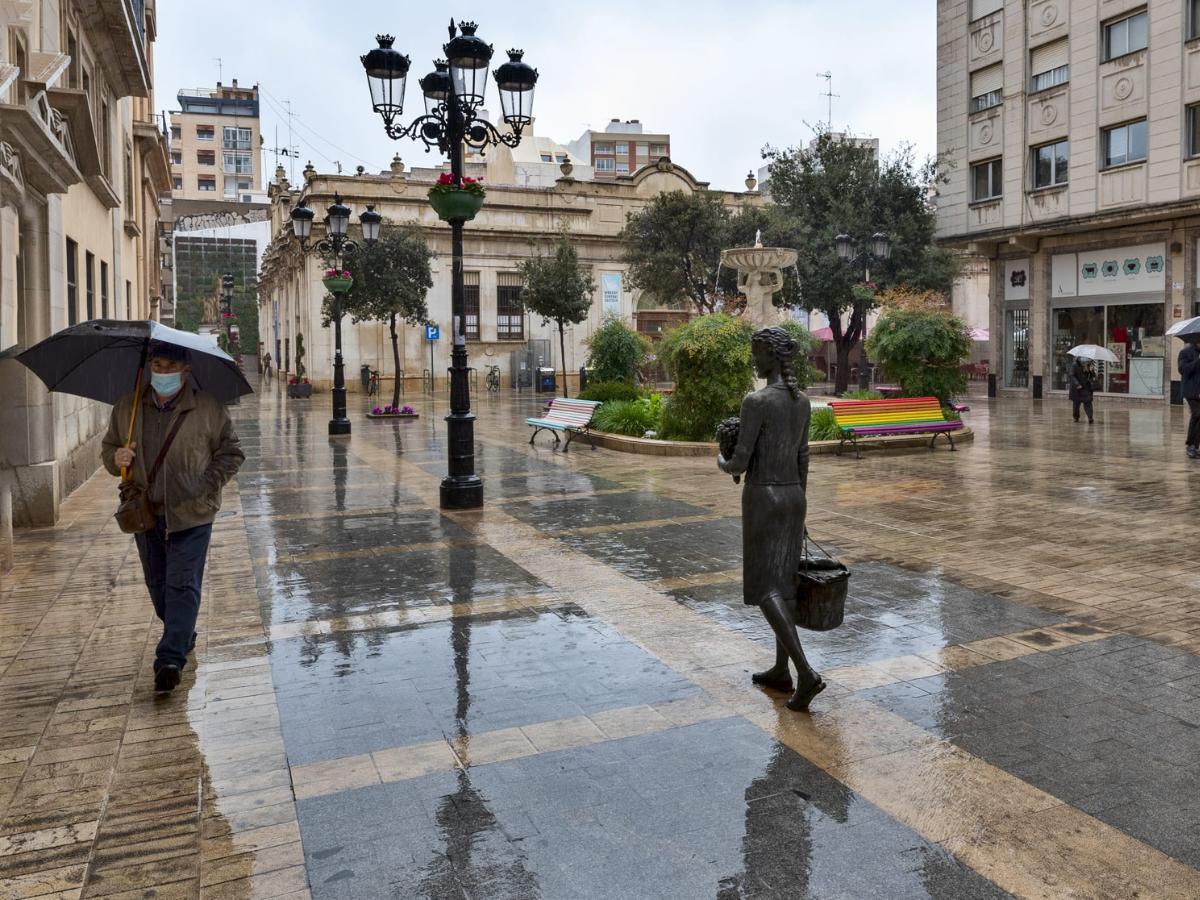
550, 698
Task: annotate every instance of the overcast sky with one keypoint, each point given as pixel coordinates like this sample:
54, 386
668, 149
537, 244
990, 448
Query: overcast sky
722, 77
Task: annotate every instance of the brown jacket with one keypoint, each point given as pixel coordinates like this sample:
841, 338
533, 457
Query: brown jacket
203, 457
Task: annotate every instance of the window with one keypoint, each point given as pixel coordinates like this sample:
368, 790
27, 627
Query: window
986, 183
178, 182
657, 150
1193, 129
1193, 18
1125, 143
103, 289
205, 133
206, 182
623, 168
176, 133
72, 282
643, 150
177, 157
1048, 65
128, 300
1126, 35
1016, 348
981, 8
243, 184
73, 73
1050, 164
471, 305
130, 203
622, 149
510, 318
546, 157
605, 165
105, 138
987, 88
239, 163
604, 148
236, 138
89, 276
206, 157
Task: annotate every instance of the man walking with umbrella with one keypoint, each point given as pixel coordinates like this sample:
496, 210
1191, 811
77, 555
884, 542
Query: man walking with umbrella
1189, 377
182, 452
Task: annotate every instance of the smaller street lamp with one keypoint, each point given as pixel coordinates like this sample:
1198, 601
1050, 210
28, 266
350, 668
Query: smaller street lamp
387, 71
515, 80
336, 247
879, 248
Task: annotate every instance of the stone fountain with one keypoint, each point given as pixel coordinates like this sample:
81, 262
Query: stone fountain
760, 276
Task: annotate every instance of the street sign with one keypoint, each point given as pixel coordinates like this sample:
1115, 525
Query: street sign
432, 332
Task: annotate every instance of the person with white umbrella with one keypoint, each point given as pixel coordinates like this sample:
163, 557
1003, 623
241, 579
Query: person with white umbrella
1083, 377
1189, 378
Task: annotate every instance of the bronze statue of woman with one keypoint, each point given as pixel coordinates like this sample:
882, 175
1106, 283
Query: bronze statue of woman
772, 449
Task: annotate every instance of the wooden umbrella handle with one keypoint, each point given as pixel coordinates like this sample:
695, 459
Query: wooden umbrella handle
137, 401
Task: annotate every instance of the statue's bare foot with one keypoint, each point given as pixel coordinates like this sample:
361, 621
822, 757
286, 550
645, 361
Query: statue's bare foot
778, 679
805, 693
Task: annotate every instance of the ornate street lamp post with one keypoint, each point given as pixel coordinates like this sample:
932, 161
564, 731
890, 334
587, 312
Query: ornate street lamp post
337, 248
453, 93
879, 248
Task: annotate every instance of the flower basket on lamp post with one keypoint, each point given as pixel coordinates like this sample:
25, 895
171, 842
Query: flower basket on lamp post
452, 200
337, 282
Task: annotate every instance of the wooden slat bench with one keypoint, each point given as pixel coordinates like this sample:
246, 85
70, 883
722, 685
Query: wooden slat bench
906, 415
572, 416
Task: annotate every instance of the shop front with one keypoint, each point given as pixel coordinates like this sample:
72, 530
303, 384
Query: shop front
1116, 298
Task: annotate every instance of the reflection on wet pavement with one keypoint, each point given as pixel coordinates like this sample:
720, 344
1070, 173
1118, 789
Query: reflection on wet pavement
550, 698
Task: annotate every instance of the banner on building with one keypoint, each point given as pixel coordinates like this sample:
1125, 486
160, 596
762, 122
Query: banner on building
610, 286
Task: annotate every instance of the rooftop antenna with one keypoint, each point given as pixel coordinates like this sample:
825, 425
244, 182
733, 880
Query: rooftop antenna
290, 152
220, 69
829, 95
338, 163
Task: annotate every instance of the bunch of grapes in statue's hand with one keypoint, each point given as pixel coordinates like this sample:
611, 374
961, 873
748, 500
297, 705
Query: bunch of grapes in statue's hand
727, 438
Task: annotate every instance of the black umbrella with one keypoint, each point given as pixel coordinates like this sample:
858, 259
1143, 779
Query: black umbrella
102, 360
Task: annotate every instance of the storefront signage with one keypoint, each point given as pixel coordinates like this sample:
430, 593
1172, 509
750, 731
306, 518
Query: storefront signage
1016, 279
1115, 270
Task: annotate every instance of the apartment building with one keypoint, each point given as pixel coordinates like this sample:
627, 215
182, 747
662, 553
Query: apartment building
82, 166
215, 141
621, 148
1073, 130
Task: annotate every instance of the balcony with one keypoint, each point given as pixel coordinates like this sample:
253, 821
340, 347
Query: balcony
118, 28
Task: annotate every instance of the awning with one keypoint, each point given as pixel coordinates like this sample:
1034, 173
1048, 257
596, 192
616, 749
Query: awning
823, 334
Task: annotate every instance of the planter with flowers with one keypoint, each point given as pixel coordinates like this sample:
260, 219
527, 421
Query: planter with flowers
393, 412
338, 281
453, 199
299, 388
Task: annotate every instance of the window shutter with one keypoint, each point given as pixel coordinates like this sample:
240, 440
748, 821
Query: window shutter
987, 80
981, 8
509, 279
1048, 56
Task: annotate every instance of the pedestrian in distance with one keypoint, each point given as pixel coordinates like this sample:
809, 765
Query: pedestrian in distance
1082, 387
266, 366
1189, 378
183, 452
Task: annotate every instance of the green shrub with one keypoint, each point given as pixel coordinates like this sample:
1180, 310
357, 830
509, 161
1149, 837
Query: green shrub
862, 395
709, 361
617, 351
631, 417
923, 349
806, 372
605, 391
823, 426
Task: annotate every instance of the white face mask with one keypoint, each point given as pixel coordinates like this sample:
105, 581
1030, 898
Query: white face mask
166, 385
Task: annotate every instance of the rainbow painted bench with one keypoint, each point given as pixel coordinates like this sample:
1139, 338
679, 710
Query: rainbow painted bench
904, 415
572, 416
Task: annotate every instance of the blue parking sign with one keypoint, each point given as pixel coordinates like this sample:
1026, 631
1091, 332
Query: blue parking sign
432, 332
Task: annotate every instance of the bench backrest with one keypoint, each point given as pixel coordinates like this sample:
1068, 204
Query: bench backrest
571, 412
900, 411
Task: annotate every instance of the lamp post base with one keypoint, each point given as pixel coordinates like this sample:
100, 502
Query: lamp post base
339, 427
462, 492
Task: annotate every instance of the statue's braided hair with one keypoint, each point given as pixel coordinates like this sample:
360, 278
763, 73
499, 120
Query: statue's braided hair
785, 348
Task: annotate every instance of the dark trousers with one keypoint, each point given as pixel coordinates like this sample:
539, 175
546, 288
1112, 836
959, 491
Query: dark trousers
174, 568
1193, 435
1087, 408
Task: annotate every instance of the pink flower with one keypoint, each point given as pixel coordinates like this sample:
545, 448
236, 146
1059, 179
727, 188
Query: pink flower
446, 178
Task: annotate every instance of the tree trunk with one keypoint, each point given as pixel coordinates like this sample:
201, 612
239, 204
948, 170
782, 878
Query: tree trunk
562, 351
842, 380
395, 362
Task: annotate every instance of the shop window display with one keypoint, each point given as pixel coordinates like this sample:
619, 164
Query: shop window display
1134, 334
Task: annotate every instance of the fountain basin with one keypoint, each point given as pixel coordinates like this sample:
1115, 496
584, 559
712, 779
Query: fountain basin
755, 259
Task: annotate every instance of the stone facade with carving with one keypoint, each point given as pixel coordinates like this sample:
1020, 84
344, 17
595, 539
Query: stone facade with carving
82, 167
1072, 128
495, 242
